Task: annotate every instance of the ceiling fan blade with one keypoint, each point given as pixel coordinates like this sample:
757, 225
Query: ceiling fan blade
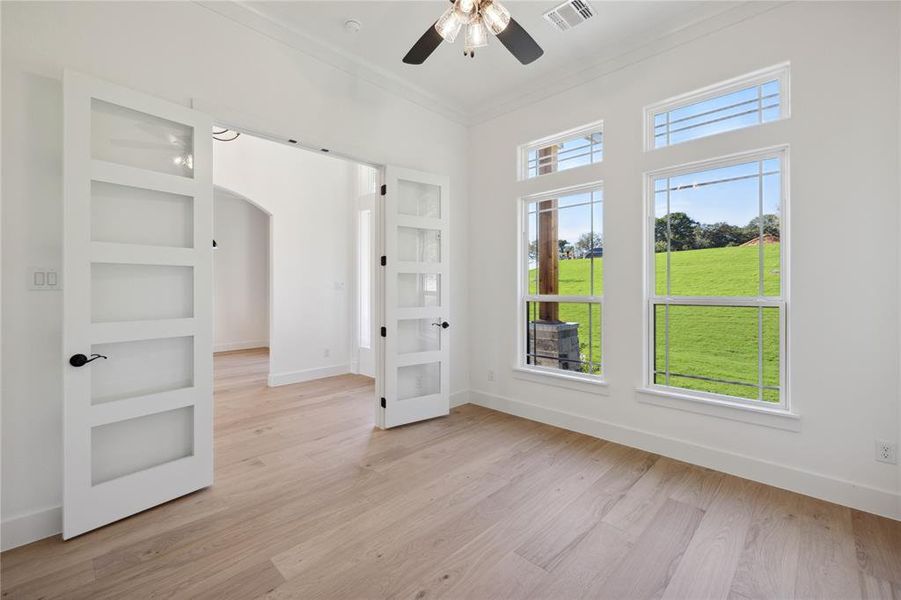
424, 46
520, 44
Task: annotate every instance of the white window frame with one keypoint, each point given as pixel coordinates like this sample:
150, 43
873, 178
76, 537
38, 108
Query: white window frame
524, 297
780, 72
781, 302
557, 138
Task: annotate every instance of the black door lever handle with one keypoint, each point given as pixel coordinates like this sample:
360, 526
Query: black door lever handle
80, 360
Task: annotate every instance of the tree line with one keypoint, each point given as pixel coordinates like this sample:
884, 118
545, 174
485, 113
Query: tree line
688, 234
585, 244
685, 234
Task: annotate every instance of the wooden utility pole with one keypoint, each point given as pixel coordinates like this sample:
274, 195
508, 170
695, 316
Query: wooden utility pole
548, 245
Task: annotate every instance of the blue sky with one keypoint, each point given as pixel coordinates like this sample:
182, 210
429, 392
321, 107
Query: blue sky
716, 115
734, 202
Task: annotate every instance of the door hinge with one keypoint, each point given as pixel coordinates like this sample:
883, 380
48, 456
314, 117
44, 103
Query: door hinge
384, 404
384, 261
384, 332
384, 189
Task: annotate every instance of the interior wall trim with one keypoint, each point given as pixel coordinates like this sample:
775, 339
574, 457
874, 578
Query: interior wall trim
23, 529
232, 346
289, 377
883, 502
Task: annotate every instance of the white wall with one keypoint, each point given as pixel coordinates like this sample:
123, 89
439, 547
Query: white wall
240, 273
200, 55
844, 175
311, 199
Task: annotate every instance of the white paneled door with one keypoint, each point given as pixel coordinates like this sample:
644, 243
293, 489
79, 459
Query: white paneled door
415, 382
137, 303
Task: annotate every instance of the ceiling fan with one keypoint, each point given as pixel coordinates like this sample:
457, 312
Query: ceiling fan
479, 17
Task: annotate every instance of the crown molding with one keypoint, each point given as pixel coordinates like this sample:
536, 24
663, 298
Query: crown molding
244, 13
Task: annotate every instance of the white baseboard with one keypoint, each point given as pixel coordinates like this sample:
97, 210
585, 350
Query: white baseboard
459, 398
289, 377
24, 529
231, 346
882, 502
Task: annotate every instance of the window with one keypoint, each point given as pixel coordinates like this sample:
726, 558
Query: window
364, 283
716, 276
743, 102
563, 282
576, 148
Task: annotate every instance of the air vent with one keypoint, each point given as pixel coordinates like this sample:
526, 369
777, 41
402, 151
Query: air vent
569, 14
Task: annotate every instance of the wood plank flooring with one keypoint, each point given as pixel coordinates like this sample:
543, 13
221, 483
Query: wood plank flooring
311, 501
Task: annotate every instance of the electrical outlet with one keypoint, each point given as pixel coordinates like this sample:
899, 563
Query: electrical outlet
886, 452
490, 374
326, 353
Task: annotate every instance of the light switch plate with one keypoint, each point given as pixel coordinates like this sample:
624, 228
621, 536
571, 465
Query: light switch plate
44, 279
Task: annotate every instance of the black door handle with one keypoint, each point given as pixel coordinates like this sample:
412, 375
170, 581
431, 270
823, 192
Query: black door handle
80, 360
442, 325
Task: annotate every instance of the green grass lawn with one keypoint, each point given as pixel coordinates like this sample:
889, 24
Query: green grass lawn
714, 342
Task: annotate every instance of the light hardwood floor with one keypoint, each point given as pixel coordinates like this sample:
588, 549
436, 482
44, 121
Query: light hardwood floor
310, 501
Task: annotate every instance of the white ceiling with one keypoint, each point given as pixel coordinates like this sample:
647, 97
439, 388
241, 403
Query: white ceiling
464, 88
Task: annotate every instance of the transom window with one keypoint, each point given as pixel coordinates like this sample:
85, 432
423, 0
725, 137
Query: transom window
568, 150
717, 309
743, 102
563, 283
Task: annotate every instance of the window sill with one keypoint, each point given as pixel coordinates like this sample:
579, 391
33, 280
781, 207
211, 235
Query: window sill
580, 383
777, 418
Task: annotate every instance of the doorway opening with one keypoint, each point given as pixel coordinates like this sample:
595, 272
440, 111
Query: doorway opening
294, 259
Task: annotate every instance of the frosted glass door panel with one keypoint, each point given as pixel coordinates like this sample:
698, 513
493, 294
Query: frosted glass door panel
129, 137
418, 199
418, 380
418, 245
129, 215
123, 292
126, 447
141, 368
418, 290
418, 335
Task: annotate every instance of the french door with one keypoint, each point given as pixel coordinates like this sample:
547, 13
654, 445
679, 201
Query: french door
416, 298
137, 302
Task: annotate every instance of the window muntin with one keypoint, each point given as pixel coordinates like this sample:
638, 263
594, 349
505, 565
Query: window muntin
744, 102
725, 350
723, 208
717, 307
577, 148
563, 281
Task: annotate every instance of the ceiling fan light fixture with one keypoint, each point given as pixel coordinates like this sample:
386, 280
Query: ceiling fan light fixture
495, 16
448, 26
476, 35
480, 17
